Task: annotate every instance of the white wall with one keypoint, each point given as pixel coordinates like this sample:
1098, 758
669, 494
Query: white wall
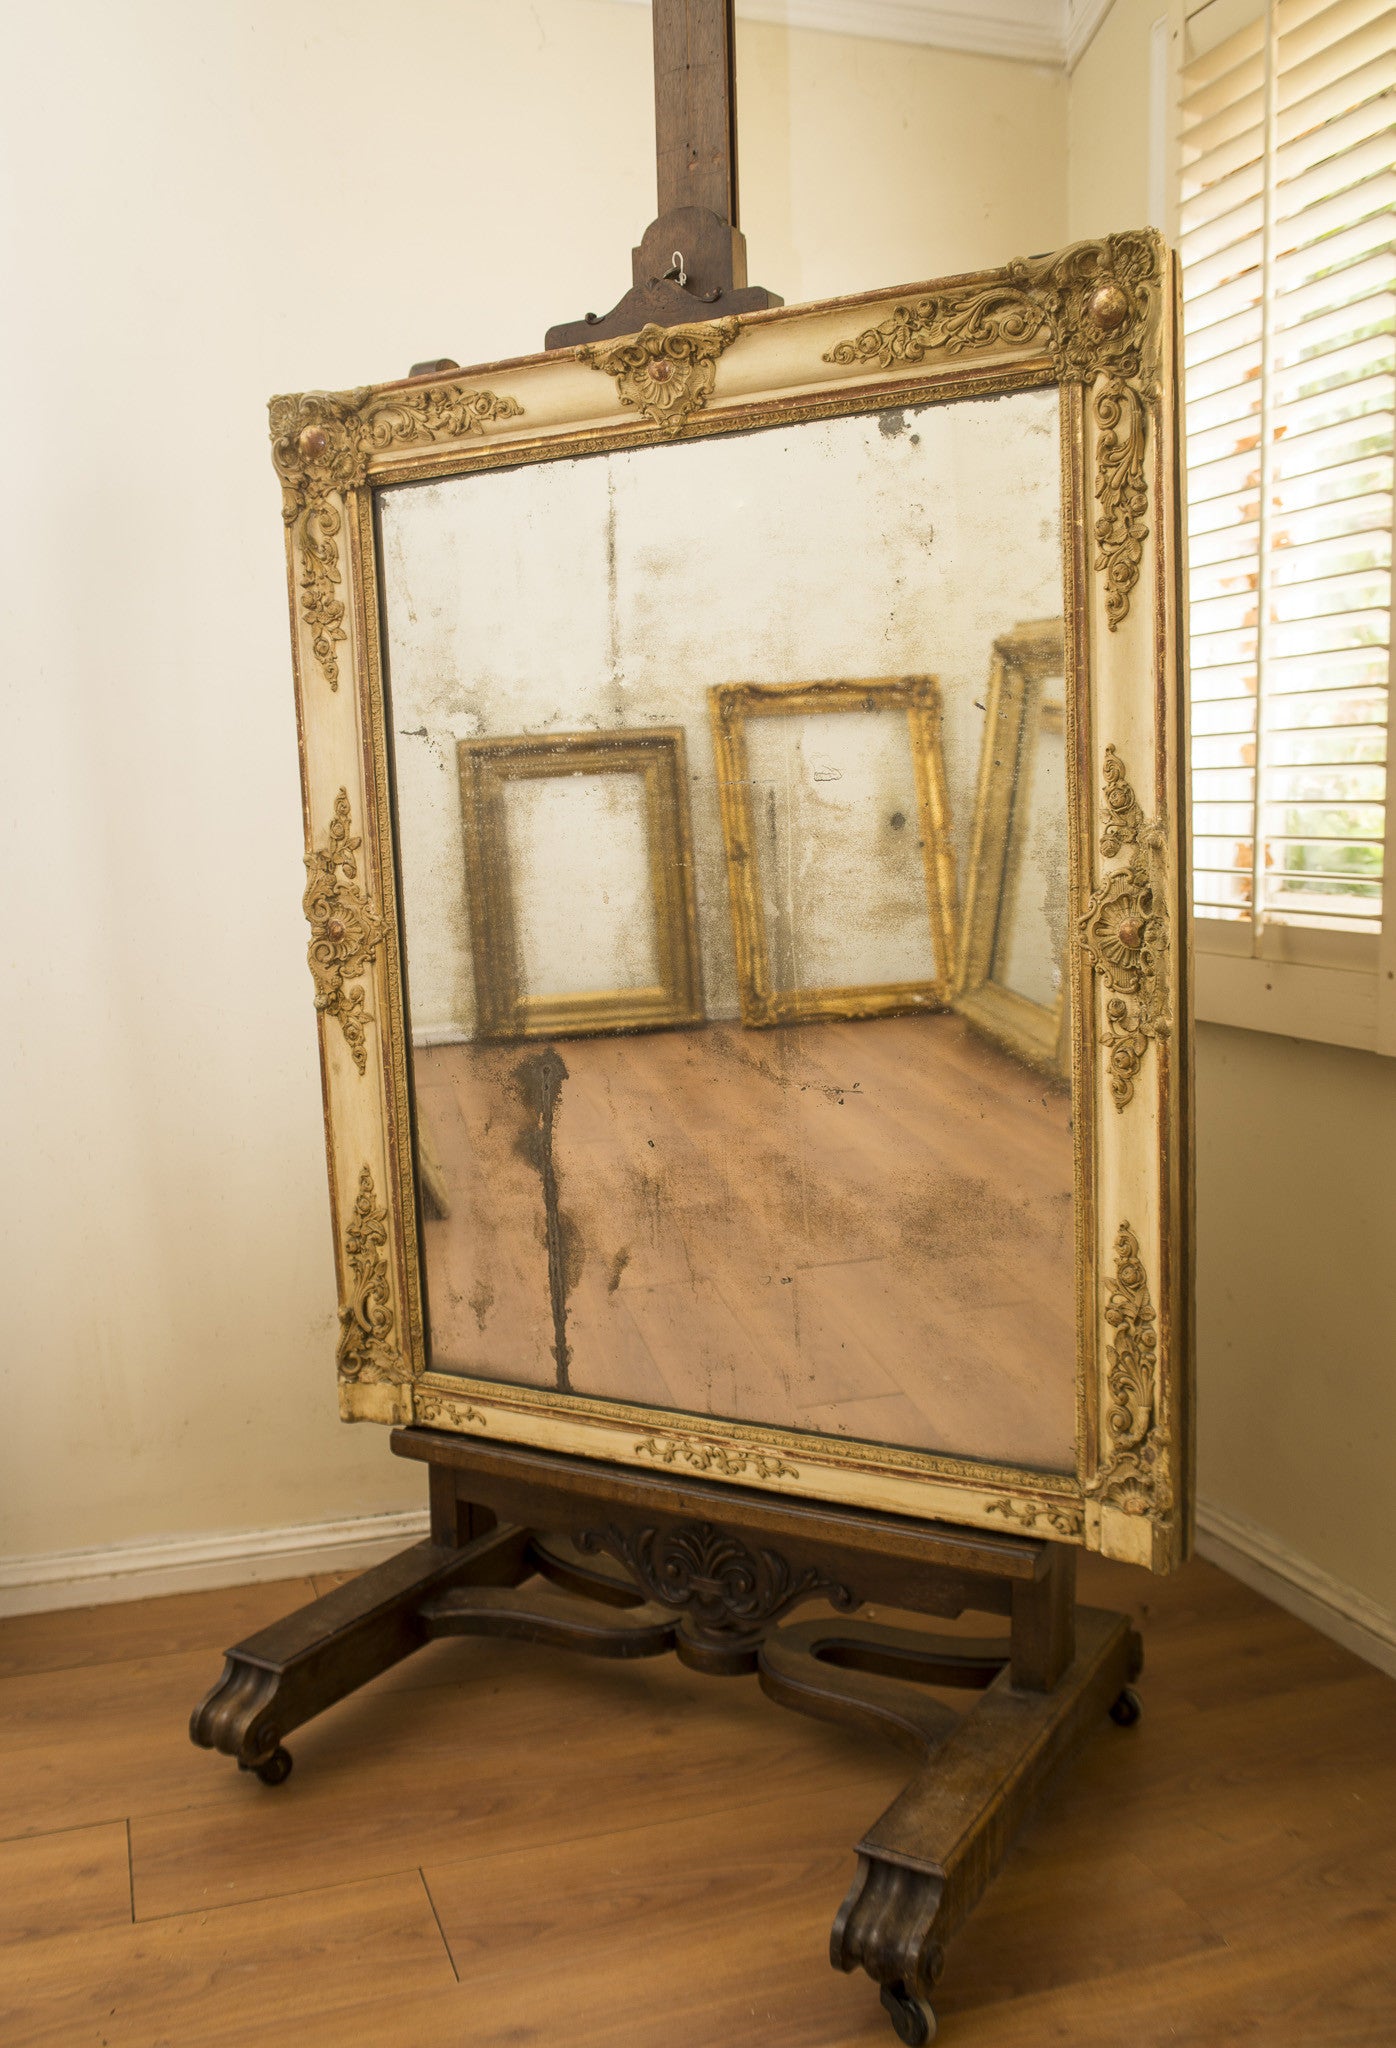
205, 205
1296, 1155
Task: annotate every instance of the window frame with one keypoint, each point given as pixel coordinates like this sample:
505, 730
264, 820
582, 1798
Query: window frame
1297, 981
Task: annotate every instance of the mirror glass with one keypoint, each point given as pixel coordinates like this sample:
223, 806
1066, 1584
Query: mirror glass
731, 797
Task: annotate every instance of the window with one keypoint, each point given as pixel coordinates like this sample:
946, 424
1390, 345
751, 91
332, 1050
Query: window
1288, 178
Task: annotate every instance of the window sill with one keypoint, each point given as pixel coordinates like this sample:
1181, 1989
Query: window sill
1336, 987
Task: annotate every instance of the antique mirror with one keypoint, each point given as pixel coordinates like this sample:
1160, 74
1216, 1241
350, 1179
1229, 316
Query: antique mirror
743, 810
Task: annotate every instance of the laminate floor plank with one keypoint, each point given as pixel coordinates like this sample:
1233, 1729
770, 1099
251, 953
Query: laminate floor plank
247, 1974
401, 1777
620, 1856
64, 1883
144, 1628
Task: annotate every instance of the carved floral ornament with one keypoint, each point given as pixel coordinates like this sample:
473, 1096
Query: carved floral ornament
345, 929
702, 1454
438, 1409
666, 373
321, 443
1060, 1517
366, 1352
1093, 307
1133, 1474
1124, 931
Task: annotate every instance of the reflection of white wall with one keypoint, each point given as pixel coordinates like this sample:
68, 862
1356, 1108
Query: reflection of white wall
584, 924
1030, 944
838, 849
616, 590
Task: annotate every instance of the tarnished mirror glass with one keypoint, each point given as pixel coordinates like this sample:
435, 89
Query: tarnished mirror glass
730, 776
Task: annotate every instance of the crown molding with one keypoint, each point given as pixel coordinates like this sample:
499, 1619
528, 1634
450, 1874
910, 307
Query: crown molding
1083, 18
1049, 32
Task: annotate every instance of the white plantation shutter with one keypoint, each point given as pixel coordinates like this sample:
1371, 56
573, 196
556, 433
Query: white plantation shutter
1288, 135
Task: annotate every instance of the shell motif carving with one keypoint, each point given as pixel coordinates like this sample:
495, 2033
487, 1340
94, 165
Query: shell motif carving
1093, 309
345, 929
666, 373
1124, 930
321, 442
726, 1588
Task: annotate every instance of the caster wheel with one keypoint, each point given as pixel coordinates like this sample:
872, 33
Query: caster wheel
272, 1770
1126, 1710
912, 2019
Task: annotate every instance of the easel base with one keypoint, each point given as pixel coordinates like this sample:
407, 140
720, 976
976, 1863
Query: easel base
630, 1566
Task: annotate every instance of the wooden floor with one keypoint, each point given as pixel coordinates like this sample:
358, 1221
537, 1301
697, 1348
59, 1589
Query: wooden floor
496, 1846
864, 1229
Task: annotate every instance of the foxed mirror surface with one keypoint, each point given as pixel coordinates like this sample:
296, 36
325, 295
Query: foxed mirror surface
693, 753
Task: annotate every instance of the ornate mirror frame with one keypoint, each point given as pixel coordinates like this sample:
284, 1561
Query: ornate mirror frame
1096, 320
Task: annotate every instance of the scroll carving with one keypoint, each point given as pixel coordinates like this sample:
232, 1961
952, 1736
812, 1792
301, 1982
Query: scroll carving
431, 1409
366, 1351
1133, 1474
1062, 1519
1093, 309
666, 373
321, 442
727, 1589
1124, 930
705, 1455
345, 929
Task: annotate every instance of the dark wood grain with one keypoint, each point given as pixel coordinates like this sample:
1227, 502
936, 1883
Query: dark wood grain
695, 112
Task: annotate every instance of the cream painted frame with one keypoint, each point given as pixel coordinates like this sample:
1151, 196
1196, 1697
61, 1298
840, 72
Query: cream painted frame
732, 705
1097, 320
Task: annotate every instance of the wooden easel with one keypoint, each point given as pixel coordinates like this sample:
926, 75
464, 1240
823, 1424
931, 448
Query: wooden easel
614, 1562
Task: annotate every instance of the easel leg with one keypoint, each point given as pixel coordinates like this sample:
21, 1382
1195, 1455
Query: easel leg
293, 1670
925, 1863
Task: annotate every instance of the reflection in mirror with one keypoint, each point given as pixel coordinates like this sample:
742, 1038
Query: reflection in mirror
838, 909
1013, 980
689, 740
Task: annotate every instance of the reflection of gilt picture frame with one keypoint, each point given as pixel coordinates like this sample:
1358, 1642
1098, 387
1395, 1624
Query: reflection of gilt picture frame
733, 707
504, 1007
1024, 711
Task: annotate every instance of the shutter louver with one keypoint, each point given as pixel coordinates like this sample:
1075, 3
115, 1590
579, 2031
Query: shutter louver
1289, 287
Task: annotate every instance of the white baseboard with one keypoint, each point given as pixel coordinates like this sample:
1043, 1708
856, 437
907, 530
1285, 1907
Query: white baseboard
1260, 1561
191, 1564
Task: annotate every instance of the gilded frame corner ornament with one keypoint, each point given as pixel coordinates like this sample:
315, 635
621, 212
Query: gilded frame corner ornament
1094, 309
1124, 931
664, 373
345, 929
321, 445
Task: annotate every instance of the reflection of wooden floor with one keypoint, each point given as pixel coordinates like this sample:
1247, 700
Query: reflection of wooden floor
859, 1228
